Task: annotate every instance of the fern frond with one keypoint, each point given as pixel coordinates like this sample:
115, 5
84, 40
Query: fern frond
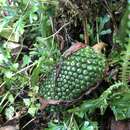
125, 69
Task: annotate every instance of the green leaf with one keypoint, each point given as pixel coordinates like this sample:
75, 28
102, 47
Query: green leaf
4, 23
103, 21
35, 89
53, 126
26, 60
9, 112
33, 109
122, 34
15, 66
120, 105
104, 32
8, 34
1, 108
2, 1
27, 102
8, 74
35, 73
25, 2
2, 59
89, 126
19, 28
11, 98
32, 14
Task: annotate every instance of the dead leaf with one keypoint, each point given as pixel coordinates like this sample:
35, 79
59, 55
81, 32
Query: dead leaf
58, 69
99, 47
2, 90
14, 47
45, 103
12, 124
61, 41
8, 128
75, 47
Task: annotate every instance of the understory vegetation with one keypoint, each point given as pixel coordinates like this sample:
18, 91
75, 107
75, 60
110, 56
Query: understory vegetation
34, 36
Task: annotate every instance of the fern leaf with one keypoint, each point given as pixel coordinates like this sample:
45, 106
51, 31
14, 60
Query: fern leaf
125, 70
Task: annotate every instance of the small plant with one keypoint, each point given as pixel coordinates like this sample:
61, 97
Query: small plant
20, 71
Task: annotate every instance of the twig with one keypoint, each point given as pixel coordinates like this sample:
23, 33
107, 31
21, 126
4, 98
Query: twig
26, 68
97, 30
86, 38
106, 6
28, 123
57, 31
2, 84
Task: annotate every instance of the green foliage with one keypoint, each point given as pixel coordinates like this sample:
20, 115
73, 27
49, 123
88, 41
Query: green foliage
19, 15
29, 24
101, 21
116, 97
120, 38
53, 126
125, 70
100, 29
123, 32
70, 123
125, 38
21, 21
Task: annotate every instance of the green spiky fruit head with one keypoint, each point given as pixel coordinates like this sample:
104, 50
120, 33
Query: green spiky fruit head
78, 72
